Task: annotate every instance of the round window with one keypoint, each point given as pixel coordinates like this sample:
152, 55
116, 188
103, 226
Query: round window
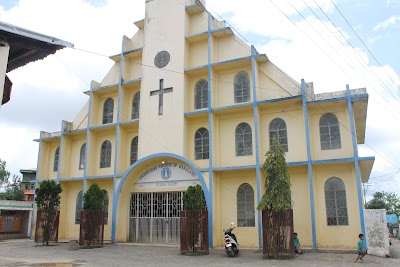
162, 59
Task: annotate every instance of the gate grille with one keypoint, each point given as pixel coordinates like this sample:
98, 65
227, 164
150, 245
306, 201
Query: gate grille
154, 217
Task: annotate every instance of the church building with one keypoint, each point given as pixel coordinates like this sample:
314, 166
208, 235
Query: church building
188, 102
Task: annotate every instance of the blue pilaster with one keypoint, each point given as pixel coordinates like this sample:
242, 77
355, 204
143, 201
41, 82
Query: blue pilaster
309, 164
210, 142
115, 204
34, 194
356, 162
256, 131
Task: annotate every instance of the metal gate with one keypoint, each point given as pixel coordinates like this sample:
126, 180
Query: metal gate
154, 217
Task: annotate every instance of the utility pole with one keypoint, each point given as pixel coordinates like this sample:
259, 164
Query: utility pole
365, 186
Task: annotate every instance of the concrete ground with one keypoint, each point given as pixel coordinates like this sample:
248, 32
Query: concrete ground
26, 253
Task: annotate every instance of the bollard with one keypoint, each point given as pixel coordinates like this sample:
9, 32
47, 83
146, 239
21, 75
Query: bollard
73, 245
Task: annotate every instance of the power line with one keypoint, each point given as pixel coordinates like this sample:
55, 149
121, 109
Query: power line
362, 42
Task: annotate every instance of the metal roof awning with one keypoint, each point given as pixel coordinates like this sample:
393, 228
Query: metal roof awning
28, 46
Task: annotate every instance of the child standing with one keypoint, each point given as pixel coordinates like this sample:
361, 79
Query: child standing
297, 244
360, 248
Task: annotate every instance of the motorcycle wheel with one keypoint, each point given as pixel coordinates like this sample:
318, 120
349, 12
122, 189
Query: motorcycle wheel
236, 252
230, 253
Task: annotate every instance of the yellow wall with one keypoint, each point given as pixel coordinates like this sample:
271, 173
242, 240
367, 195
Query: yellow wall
225, 207
336, 236
68, 229
193, 126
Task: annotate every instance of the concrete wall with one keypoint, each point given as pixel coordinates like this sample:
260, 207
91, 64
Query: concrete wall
376, 232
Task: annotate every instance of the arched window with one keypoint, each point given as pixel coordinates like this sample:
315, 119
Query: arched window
134, 149
201, 144
108, 111
78, 207
56, 159
242, 87
329, 132
277, 129
105, 208
105, 154
335, 201
135, 106
82, 157
201, 94
243, 140
245, 206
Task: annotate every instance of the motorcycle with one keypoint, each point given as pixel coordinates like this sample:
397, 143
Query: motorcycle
231, 244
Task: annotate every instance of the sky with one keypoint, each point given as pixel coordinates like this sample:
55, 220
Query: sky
308, 39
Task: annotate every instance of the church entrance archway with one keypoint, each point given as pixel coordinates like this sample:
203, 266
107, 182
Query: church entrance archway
149, 199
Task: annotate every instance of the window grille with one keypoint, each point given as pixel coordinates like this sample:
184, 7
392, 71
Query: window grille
242, 87
201, 142
243, 140
245, 206
105, 207
201, 94
277, 129
135, 106
108, 111
82, 157
335, 200
56, 159
105, 155
329, 132
134, 149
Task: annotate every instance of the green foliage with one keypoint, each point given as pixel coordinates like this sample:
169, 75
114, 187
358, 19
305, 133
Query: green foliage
277, 195
48, 196
4, 174
194, 199
13, 190
383, 200
48, 201
93, 199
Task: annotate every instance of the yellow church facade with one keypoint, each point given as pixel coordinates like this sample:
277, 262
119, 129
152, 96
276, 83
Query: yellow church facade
188, 102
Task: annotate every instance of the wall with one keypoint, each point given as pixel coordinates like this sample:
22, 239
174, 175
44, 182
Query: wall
376, 232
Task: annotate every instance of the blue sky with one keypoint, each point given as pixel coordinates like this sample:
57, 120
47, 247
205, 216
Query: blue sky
98, 25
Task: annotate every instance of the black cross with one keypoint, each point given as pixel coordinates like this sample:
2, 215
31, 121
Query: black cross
160, 94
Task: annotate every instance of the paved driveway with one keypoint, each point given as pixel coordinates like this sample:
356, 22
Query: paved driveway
25, 253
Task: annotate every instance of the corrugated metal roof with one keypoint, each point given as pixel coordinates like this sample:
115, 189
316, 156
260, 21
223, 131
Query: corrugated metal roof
28, 46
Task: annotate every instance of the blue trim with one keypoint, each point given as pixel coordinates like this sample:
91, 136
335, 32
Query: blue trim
255, 111
196, 68
34, 194
133, 166
103, 126
105, 87
343, 98
102, 176
190, 113
74, 131
50, 138
366, 158
71, 179
233, 168
117, 132
278, 99
128, 122
210, 136
131, 51
60, 153
356, 163
207, 32
309, 164
138, 80
249, 104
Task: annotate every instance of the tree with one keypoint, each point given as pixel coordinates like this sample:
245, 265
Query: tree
4, 174
277, 195
383, 200
93, 213
13, 190
48, 202
276, 204
193, 203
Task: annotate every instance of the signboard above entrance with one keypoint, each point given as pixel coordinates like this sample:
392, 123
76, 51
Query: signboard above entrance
167, 175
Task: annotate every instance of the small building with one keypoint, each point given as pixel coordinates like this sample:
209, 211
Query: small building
28, 183
15, 219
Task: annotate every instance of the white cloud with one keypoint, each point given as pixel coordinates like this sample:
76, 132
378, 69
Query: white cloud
387, 23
